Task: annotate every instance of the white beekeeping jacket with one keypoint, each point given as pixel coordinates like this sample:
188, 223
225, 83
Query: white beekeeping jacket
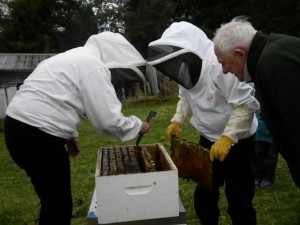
68, 87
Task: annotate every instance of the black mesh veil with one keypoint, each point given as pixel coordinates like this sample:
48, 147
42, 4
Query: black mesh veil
177, 63
120, 77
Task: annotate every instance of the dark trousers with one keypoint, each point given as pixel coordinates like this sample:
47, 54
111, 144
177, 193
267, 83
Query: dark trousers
46, 162
266, 160
237, 172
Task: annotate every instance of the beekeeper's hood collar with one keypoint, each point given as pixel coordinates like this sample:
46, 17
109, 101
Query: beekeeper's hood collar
116, 52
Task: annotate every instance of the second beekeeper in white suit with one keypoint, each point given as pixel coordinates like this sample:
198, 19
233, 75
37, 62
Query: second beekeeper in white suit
222, 112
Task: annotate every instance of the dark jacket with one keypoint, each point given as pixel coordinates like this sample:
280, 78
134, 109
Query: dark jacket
274, 65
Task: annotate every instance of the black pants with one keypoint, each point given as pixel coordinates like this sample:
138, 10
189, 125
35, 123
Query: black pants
266, 160
237, 172
46, 162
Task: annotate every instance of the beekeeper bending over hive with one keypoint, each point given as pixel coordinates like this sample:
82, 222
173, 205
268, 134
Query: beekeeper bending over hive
62, 91
222, 112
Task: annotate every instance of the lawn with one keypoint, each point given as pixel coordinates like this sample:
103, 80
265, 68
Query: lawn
19, 205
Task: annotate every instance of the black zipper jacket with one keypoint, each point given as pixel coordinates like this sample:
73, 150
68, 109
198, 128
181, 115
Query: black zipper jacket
274, 64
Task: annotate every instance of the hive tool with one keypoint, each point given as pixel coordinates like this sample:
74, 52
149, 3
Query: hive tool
151, 114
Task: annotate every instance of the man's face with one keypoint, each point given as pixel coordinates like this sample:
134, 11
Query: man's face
233, 63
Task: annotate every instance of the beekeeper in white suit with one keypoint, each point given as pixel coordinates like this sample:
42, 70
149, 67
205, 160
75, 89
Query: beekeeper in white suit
222, 112
63, 90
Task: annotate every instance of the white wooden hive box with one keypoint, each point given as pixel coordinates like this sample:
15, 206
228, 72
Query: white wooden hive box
138, 196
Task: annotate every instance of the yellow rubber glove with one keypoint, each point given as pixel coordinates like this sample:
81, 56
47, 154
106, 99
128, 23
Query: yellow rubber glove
173, 128
220, 148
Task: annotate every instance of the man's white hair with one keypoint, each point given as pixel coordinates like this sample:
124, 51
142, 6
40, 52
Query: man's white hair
238, 33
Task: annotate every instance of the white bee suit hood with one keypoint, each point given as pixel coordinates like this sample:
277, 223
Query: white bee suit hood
185, 36
120, 57
180, 38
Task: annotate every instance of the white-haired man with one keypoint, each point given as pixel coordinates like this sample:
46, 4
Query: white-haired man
272, 62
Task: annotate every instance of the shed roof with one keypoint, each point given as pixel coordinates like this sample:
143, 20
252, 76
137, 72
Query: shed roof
15, 67
18, 63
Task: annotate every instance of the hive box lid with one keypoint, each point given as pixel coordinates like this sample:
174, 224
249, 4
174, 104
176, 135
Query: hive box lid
139, 196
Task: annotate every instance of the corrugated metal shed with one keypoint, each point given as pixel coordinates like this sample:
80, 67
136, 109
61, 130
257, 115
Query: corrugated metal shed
15, 67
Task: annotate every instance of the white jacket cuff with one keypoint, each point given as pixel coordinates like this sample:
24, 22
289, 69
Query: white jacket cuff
239, 123
75, 134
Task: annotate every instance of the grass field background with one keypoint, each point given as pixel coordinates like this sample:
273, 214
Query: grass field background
19, 205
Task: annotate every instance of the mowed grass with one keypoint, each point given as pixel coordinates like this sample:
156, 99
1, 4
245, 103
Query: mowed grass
19, 205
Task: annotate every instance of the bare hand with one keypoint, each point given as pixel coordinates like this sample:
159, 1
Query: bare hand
145, 127
73, 147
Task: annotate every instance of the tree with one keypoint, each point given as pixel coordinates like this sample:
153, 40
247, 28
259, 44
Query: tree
57, 25
26, 28
278, 17
74, 21
4, 13
265, 15
109, 15
145, 21
46, 26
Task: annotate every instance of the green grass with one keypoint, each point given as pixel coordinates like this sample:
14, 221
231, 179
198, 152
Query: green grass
19, 205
